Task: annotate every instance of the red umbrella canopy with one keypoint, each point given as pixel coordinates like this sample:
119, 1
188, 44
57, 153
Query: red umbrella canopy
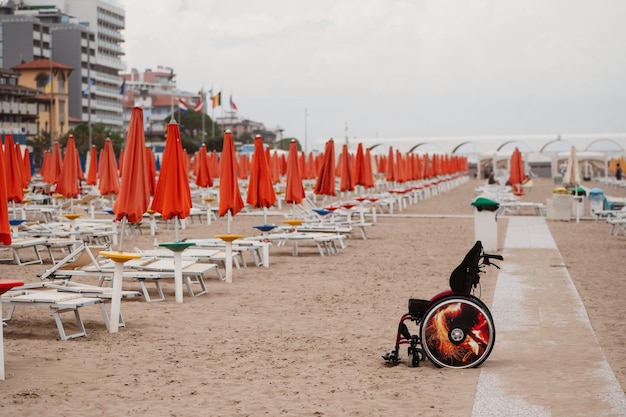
230, 196
20, 164
346, 183
428, 168
311, 167
260, 189
5, 228
46, 165
362, 169
275, 168
359, 166
13, 171
57, 163
134, 197
172, 197
120, 163
81, 174
516, 169
283, 164
27, 166
325, 184
151, 165
214, 166
517, 174
203, 176
107, 170
390, 168
244, 166
369, 173
294, 191
399, 170
67, 182
92, 170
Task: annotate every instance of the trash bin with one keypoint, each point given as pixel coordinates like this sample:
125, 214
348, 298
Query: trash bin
596, 200
485, 222
578, 202
561, 204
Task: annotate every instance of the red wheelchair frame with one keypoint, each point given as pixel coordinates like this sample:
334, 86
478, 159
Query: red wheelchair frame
456, 329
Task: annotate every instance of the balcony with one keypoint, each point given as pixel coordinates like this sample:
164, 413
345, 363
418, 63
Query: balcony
18, 108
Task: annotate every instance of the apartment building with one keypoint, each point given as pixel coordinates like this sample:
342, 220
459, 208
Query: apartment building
83, 34
19, 107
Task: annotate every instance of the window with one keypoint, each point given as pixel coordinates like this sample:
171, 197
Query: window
61, 83
42, 81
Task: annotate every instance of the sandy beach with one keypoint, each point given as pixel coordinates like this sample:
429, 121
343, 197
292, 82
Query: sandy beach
303, 337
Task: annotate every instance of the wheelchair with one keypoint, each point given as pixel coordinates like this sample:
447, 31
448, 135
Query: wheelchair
455, 328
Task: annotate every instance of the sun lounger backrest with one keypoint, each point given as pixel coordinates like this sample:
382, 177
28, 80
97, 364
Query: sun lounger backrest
81, 257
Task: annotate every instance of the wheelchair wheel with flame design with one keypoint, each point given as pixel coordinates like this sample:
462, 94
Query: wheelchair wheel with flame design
457, 332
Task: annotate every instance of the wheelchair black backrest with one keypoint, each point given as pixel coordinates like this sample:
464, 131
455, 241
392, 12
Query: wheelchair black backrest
466, 274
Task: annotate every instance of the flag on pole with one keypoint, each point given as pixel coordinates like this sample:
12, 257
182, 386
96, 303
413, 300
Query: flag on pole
87, 90
199, 104
123, 87
233, 106
182, 105
48, 87
217, 100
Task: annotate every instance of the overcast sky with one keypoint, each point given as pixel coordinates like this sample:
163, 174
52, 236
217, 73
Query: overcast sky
395, 68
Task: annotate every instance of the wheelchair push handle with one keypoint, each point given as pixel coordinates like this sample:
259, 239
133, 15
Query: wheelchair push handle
487, 259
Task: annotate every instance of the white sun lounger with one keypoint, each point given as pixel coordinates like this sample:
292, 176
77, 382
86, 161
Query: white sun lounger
57, 302
84, 262
18, 245
104, 293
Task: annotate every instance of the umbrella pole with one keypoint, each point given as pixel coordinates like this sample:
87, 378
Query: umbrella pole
228, 262
121, 243
264, 215
266, 251
1, 348
228, 227
116, 299
576, 204
176, 229
178, 276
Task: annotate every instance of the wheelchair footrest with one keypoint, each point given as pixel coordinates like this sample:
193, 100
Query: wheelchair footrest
392, 357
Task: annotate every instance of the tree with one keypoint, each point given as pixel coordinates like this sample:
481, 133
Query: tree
284, 144
190, 127
245, 137
39, 144
99, 134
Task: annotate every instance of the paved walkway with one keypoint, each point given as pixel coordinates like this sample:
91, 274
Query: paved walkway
539, 315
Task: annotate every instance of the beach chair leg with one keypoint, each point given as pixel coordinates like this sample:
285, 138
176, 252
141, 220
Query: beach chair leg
257, 257
242, 259
188, 283
79, 323
146, 293
107, 322
219, 274
9, 316
320, 247
332, 248
18, 260
200, 281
